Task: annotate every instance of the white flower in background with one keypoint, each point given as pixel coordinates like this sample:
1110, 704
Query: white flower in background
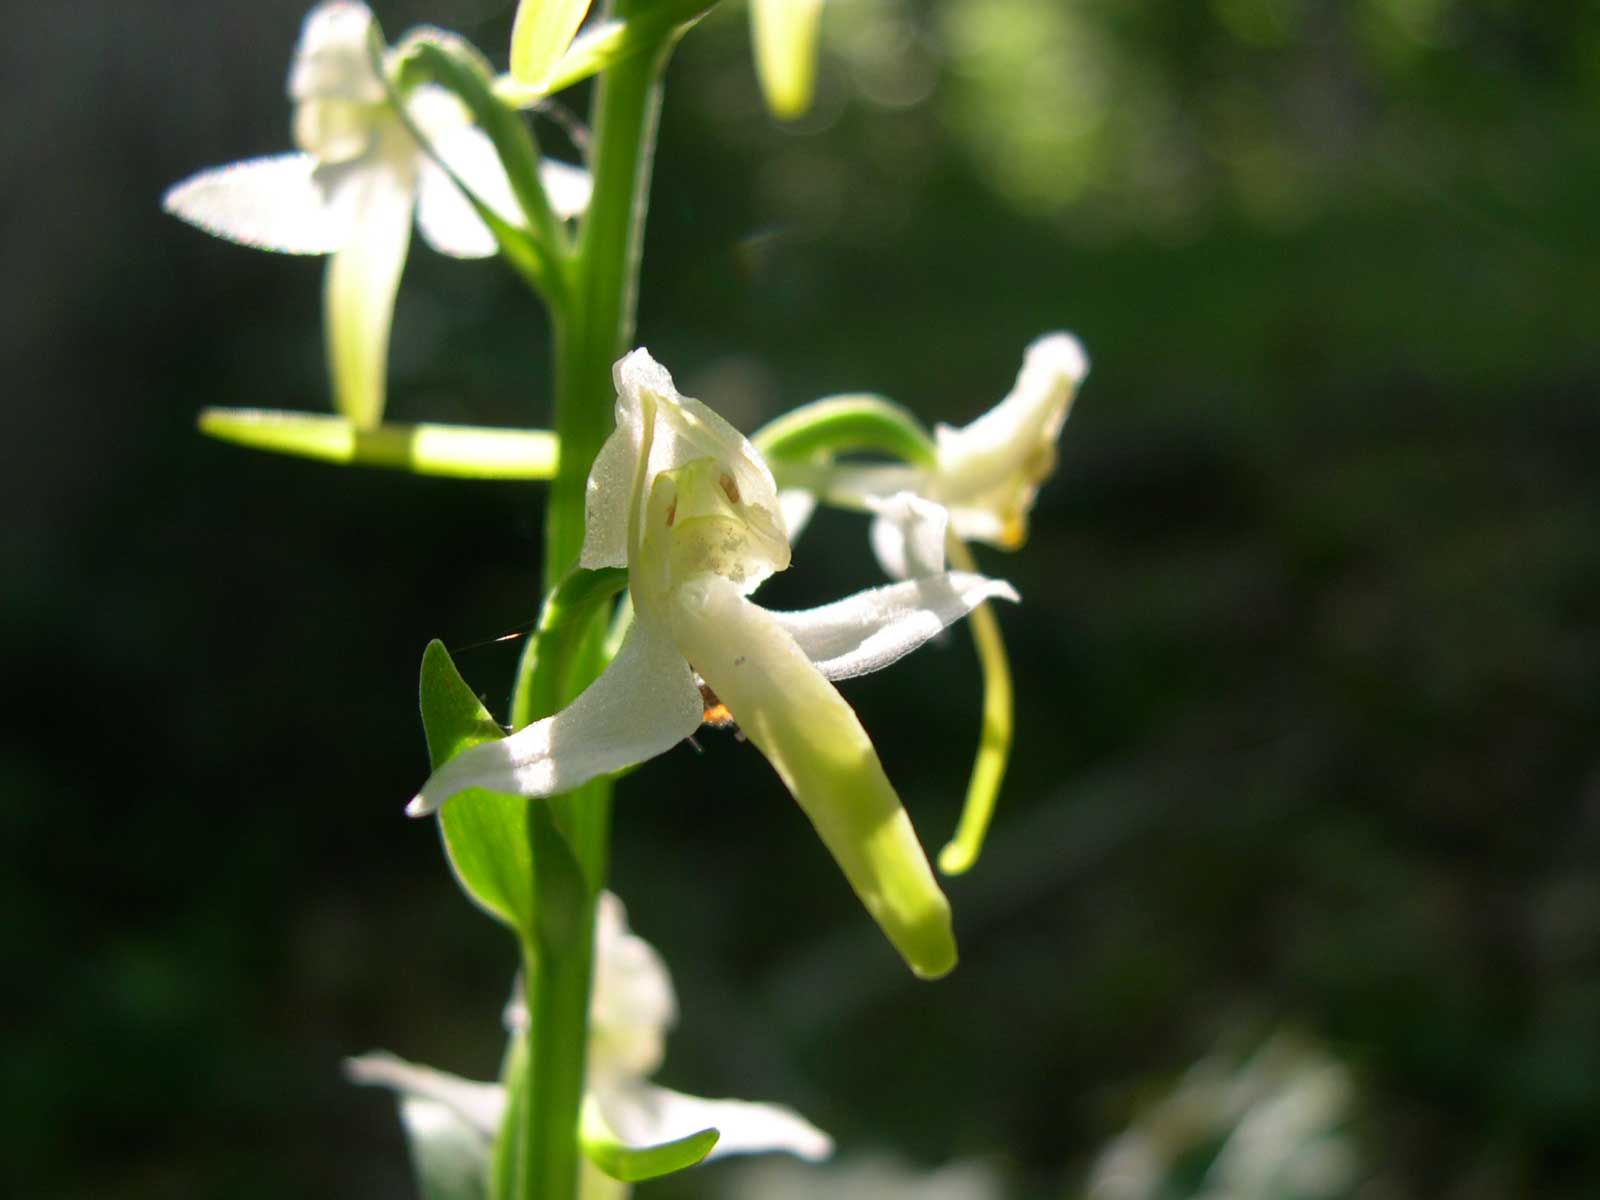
682, 500
452, 1122
1277, 1127
354, 188
865, 1178
987, 474
980, 486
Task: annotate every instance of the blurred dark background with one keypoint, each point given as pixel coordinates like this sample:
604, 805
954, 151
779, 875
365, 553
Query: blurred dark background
1309, 670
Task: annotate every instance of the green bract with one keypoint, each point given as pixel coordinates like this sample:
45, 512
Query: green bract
459, 451
540, 36
682, 500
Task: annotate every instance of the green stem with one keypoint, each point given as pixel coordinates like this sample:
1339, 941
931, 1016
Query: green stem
593, 331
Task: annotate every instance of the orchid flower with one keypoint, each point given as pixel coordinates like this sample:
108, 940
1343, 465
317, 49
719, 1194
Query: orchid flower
631, 1007
682, 500
352, 190
986, 474
984, 478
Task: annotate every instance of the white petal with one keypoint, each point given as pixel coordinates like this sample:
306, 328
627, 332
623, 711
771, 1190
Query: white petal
645, 703
609, 499
567, 187
1052, 368
363, 277
646, 1115
284, 203
868, 631
985, 523
451, 225
908, 535
990, 470
857, 485
669, 430
480, 1105
447, 221
336, 131
632, 1004
797, 506
331, 60
450, 1157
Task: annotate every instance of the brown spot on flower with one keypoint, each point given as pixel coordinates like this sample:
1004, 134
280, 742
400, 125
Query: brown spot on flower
716, 713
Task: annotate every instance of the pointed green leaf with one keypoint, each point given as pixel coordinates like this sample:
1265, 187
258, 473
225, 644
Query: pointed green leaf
838, 425
457, 451
540, 36
486, 834
453, 718
634, 1164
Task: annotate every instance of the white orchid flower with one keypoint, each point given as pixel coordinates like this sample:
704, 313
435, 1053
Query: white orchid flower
682, 500
983, 478
354, 187
986, 474
632, 1005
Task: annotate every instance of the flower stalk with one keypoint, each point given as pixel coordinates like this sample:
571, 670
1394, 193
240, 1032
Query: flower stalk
591, 331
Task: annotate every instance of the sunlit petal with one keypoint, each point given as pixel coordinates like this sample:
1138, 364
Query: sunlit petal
870, 630
813, 740
990, 470
644, 703
672, 430
447, 221
567, 187
642, 1114
908, 535
331, 59
284, 203
480, 1105
797, 506
363, 277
